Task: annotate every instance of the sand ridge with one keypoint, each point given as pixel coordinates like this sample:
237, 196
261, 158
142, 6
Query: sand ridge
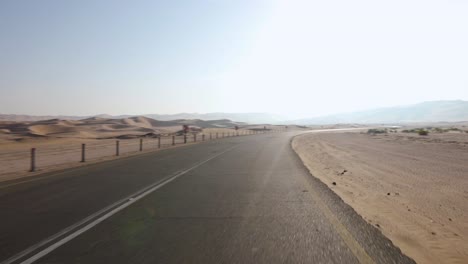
101, 128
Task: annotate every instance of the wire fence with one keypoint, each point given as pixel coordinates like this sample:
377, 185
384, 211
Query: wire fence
50, 157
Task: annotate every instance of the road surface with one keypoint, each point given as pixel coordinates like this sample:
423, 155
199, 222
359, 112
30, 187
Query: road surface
235, 200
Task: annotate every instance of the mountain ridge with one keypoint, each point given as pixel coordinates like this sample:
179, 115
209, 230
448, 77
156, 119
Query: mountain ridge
430, 111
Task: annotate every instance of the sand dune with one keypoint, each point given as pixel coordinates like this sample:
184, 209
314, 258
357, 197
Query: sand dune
97, 128
139, 121
101, 128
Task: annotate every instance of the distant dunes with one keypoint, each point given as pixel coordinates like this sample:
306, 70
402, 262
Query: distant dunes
253, 118
100, 128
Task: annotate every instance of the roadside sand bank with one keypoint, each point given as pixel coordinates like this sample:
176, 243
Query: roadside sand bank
415, 189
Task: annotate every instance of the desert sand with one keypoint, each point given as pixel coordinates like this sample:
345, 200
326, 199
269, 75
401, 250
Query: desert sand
413, 188
101, 128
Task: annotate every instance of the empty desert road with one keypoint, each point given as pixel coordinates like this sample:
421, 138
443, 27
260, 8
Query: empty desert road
235, 200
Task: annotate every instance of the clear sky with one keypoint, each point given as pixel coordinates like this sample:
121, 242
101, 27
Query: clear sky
296, 58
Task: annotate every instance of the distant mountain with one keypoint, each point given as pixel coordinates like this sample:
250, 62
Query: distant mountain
32, 118
252, 118
433, 111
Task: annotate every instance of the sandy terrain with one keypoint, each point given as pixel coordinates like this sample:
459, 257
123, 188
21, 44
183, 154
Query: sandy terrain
414, 188
101, 128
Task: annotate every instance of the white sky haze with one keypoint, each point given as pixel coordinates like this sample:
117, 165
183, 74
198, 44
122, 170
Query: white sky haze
295, 58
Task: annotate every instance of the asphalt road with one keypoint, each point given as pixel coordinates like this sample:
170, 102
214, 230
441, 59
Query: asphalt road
235, 200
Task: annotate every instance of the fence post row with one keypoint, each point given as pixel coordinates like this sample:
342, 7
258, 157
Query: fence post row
33, 159
83, 149
117, 144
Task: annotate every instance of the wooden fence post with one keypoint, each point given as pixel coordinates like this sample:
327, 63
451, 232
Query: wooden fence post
141, 144
33, 160
173, 140
83, 150
117, 150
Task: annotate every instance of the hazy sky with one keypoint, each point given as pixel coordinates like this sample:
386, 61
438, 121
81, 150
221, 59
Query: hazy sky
290, 57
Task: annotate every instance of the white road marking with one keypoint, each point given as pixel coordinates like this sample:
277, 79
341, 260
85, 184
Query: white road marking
133, 198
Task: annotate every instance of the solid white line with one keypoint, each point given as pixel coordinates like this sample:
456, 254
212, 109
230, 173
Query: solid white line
111, 213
